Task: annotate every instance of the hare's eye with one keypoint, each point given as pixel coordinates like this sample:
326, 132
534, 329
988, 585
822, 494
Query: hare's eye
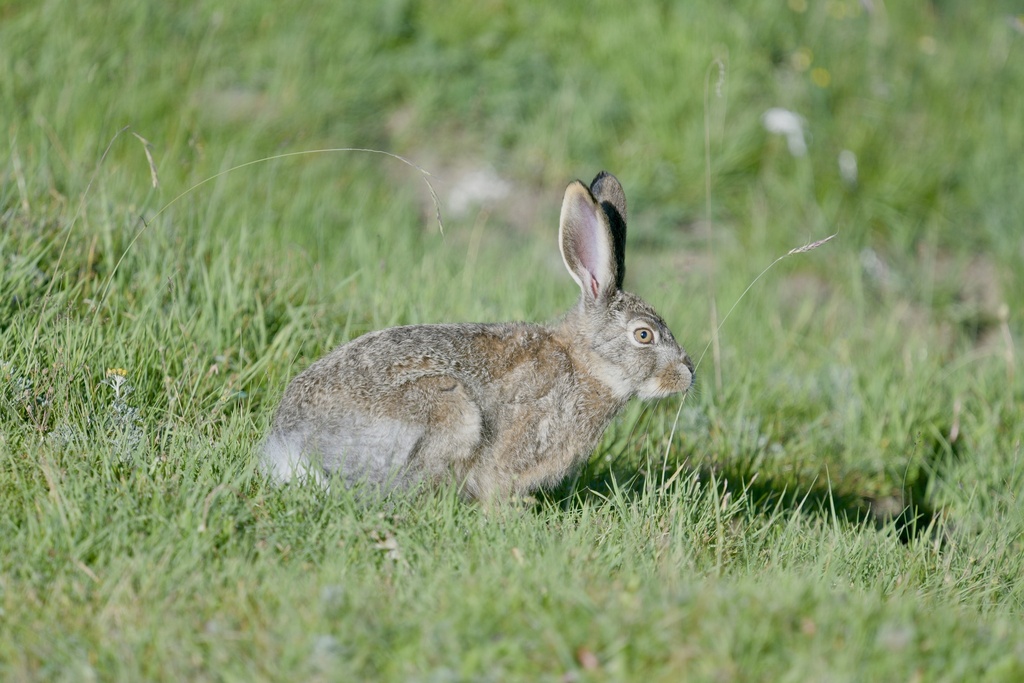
644, 335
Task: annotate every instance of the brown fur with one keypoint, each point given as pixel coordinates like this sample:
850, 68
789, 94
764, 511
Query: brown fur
501, 409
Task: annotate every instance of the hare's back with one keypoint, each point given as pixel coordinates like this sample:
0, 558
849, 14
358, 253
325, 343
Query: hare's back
474, 354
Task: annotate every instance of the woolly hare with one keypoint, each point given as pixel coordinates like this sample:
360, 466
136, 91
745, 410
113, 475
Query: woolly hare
501, 409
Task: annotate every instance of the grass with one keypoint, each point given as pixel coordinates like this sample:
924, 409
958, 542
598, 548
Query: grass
843, 504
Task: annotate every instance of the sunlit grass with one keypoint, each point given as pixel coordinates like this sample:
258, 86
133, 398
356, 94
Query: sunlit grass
845, 504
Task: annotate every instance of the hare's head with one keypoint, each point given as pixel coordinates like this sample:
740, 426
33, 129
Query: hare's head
630, 348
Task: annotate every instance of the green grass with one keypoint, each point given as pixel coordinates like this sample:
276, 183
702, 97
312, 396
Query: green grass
839, 497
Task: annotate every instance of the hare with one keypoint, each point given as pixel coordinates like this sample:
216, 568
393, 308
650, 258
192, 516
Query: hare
499, 409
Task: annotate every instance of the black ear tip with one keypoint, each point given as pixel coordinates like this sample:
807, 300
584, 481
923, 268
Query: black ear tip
599, 177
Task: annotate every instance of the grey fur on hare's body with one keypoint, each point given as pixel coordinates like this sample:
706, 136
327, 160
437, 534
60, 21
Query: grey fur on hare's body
500, 409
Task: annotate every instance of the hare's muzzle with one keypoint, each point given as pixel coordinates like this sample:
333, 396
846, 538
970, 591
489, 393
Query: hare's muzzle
681, 376
674, 377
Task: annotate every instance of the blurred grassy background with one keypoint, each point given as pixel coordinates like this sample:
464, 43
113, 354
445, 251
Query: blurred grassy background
146, 332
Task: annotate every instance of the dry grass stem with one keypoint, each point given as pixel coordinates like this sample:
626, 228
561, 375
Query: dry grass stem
146, 145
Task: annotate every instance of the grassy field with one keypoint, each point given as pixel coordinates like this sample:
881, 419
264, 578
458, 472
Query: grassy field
839, 498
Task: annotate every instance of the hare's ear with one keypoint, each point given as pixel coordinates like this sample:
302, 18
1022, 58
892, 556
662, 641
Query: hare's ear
607, 189
608, 192
585, 238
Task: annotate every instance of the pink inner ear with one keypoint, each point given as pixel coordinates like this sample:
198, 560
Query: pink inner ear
584, 242
586, 246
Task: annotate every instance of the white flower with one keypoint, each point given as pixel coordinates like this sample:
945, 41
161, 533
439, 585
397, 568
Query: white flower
477, 187
784, 122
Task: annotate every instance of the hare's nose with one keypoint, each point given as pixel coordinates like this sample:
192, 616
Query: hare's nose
689, 364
